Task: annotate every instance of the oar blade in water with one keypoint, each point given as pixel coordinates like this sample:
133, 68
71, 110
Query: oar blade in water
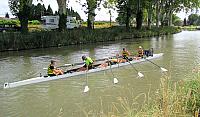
86, 89
45, 68
115, 81
163, 69
140, 74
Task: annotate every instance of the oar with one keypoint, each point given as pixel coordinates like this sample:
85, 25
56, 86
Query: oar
139, 73
163, 69
115, 81
67, 65
86, 89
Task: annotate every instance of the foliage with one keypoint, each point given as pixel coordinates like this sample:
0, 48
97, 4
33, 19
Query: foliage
62, 22
193, 19
21, 9
176, 20
44, 39
7, 15
71, 12
49, 11
7, 22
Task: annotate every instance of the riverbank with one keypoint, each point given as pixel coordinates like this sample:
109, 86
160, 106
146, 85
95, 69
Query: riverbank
181, 98
11, 41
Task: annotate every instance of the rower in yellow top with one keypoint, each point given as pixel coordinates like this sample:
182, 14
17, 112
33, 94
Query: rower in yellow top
140, 52
52, 70
125, 53
88, 63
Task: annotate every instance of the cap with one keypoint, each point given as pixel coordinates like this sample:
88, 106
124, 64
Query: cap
53, 61
84, 57
140, 47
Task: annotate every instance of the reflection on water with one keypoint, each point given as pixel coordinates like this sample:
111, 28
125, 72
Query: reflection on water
64, 97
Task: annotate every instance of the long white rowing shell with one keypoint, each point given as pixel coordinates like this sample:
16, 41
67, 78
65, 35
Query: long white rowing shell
43, 79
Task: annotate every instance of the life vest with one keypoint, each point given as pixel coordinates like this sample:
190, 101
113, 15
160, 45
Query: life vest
50, 71
125, 53
140, 52
88, 61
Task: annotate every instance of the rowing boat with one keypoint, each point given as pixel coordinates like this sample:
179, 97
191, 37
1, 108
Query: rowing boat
68, 75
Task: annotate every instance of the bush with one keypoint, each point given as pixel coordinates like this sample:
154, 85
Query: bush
44, 39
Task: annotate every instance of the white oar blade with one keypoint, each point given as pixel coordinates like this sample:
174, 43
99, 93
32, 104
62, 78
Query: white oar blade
140, 74
67, 64
163, 69
45, 68
86, 89
115, 81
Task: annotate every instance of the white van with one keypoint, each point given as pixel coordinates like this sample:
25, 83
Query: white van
51, 22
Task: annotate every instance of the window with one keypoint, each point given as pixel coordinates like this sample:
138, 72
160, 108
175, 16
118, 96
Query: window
51, 20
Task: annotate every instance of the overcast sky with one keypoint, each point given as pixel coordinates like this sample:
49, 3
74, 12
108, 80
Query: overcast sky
102, 15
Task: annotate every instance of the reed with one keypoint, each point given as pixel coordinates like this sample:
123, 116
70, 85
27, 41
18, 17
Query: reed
172, 99
45, 39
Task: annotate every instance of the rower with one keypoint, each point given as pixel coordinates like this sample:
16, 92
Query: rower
88, 64
140, 52
52, 70
126, 54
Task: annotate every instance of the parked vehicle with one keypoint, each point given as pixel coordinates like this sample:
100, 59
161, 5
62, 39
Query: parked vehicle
9, 27
51, 22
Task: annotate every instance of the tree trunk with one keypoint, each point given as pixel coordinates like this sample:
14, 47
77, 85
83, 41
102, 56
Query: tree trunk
128, 18
139, 20
91, 14
157, 15
23, 17
89, 21
150, 15
170, 18
62, 15
139, 16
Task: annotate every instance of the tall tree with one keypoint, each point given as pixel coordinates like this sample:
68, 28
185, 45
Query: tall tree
7, 15
62, 14
21, 9
91, 6
49, 11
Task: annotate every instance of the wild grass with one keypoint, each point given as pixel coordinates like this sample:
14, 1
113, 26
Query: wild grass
172, 99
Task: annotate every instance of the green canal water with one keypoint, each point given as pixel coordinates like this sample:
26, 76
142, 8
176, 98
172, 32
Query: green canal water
65, 97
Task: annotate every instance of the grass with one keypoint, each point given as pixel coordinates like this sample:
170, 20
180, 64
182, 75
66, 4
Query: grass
172, 99
189, 28
45, 39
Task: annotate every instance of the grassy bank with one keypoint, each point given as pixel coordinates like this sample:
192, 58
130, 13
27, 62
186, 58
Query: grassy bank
45, 39
172, 99
190, 28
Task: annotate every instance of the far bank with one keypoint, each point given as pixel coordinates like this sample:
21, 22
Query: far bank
14, 41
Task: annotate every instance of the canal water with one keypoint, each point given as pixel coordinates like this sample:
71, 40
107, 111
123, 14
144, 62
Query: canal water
65, 97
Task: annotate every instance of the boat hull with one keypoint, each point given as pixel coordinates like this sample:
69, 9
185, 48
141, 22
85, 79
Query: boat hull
68, 75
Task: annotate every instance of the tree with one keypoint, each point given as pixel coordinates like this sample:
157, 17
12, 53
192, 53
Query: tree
71, 12
49, 11
177, 20
7, 15
193, 19
62, 14
21, 9
91, 6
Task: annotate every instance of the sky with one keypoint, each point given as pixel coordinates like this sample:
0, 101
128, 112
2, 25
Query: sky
102, 15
